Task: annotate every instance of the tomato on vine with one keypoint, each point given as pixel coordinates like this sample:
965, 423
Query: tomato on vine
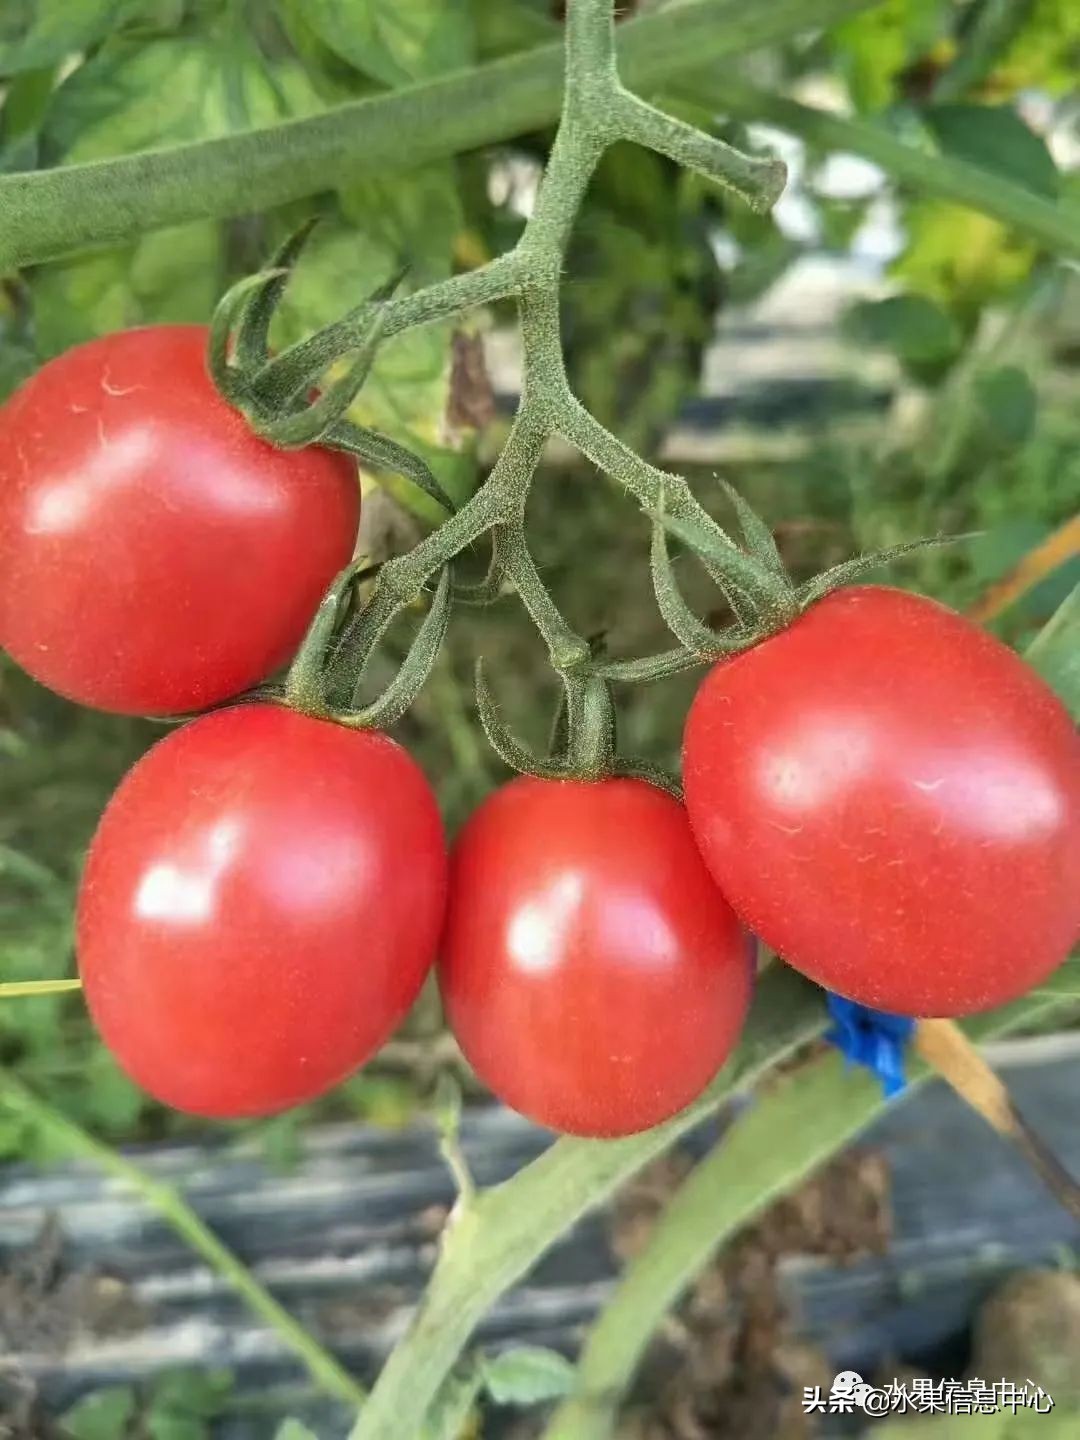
890, 798
260, 906
156, 556
593, 974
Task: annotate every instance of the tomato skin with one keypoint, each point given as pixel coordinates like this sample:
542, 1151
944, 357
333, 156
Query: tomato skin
592, 973
156, 556
890, 798
260, 906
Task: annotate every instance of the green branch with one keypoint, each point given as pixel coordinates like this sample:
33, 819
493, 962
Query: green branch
778, 1142
1057, 226
175, 1211
49, 213
495, 1241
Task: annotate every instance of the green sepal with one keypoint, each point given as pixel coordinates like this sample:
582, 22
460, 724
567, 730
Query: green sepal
738, 574
758, 538
486, 591
677, 615
305, 684
509, 749
289, 376
252, 343
652, 774
860, 565
229, 379
309, 425
414, 670
382, 453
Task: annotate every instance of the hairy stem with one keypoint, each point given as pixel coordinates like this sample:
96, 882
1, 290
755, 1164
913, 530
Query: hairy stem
492, 1244
1052, 224
815, 1109
48, 213
327, 1373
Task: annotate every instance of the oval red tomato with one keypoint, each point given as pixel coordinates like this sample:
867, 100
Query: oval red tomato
260, 906
592, 973
891, 799
156, 556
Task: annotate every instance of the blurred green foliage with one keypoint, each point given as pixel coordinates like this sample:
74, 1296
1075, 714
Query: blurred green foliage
980, 432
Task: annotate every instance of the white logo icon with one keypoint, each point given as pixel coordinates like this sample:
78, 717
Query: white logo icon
849, 1389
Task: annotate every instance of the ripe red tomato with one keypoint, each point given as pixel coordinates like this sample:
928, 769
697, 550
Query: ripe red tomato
156, 556
891, 799
260, 906
592, 972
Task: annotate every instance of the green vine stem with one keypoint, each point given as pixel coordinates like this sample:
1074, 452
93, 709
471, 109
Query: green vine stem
816, 1110
494, 1240
597, 112
49, 213
1054, 225
330, 1377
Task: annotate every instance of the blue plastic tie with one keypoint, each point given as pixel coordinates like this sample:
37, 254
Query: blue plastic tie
871, 1038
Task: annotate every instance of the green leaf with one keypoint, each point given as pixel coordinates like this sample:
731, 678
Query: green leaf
915, 329
415, 216
132, 97
24, 106
526, 1375
112, 1101
294, 1430
196, 1392
407, 394
961, 258
506, 26
104, 1415
877, 46
1055, 652
995, 137
17, 363
394, 42
138, 96
164, 1424
1008, 404
169, 276
37, 33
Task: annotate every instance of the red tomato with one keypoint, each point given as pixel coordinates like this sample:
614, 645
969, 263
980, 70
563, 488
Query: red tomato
260, 906
593, 974
891, 799
156, 556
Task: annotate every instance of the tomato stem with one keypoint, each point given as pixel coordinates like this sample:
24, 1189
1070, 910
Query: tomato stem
325, 1370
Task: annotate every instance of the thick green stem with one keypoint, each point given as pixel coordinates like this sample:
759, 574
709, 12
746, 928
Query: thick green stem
814, 1111
55, 212
495, 1242
327, 1373
1055, 225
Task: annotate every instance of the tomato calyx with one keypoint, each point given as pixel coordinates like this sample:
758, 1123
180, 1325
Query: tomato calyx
753, 579
274, 392
583, 743
314, 684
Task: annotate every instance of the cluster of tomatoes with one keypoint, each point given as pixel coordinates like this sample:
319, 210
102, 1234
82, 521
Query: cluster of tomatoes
882, 792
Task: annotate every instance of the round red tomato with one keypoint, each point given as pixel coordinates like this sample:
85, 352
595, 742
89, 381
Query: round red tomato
891, 799
591, 971
156, 556
260, 906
